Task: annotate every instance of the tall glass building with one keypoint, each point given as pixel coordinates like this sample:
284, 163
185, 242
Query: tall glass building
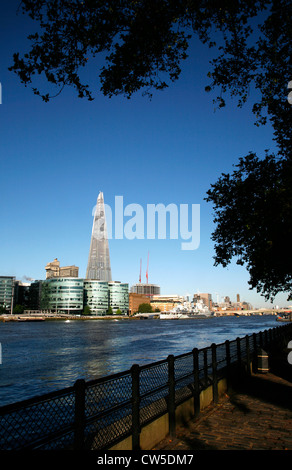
96, 296
63, 295
99, 266
119, 296
7, 292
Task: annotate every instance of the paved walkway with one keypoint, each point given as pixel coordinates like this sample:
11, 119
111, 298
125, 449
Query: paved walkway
256, 414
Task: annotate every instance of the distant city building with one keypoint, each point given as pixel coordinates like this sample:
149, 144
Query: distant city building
206, 298
135, 300
96, 296
22, 294
101, 295
54, 269
245, 305
62, 294
119, 297
71, 295
165, 303
99, 266
35, 294
146, 289
237, 298
7, 284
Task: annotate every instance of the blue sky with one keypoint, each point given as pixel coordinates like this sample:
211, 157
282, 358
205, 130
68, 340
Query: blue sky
55, 158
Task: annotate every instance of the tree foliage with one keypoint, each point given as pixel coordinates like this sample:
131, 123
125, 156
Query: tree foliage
253, 208
86, 310
110, 311
142, 42
145, 308
18, 309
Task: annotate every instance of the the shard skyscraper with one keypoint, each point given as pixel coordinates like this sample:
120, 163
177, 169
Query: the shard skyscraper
99, 266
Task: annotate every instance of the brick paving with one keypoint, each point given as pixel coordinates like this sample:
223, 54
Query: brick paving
254, 415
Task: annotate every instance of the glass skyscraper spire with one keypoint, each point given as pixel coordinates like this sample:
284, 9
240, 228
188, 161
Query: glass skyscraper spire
99, 266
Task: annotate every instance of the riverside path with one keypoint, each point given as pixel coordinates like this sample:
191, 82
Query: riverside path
255, 414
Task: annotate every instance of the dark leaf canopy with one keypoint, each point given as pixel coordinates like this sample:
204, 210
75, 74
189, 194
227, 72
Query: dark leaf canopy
253, 217
142, 43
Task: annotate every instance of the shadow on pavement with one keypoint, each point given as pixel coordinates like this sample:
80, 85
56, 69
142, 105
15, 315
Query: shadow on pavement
274, 386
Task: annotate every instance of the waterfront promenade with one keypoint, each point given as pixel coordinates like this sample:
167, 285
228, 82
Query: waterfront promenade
255, 414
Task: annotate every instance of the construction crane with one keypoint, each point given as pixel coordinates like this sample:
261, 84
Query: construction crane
147, 268
140, 269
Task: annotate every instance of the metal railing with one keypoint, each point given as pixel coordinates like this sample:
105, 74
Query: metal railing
99, 413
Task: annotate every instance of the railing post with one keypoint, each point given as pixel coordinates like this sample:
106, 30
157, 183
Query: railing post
238, 354
227, 352
79, 414
261, 339
135, 373
206, 367
248, 364
255, 348
196, 382
254, 336
214, 373
171, 396
266, 338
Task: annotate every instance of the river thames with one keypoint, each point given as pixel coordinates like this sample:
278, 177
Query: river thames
40, 357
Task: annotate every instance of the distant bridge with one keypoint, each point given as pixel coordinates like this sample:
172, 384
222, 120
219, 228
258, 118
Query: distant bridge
260, 311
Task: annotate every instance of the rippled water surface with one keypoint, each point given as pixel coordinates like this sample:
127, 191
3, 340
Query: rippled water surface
44, 356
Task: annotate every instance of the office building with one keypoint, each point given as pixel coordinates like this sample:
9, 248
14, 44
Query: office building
54, 269
146, 289
98, 266
7, 284
35, 296
96, 296
206, 298
62, 294
165, 303
22, 294
71, 295
135, 300
119, 297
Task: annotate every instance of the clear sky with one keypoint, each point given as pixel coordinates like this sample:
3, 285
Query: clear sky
55, 158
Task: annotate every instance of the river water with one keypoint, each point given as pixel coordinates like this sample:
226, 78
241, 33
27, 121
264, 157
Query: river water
40, 357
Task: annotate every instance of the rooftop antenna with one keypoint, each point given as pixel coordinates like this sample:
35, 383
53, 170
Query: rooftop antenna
147, 268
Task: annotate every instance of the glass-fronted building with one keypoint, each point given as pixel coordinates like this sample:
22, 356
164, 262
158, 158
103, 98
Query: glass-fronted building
72, 295
119, 297
96, 296
7, 292
63, 295
35, 295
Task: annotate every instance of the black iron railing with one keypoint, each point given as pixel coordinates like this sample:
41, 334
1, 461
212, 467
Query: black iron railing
99, 413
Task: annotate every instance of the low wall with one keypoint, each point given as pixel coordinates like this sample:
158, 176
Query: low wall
157, 430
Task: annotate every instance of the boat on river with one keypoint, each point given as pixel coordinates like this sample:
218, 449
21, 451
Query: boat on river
173, 316
284, 318
199, 310
30, 319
